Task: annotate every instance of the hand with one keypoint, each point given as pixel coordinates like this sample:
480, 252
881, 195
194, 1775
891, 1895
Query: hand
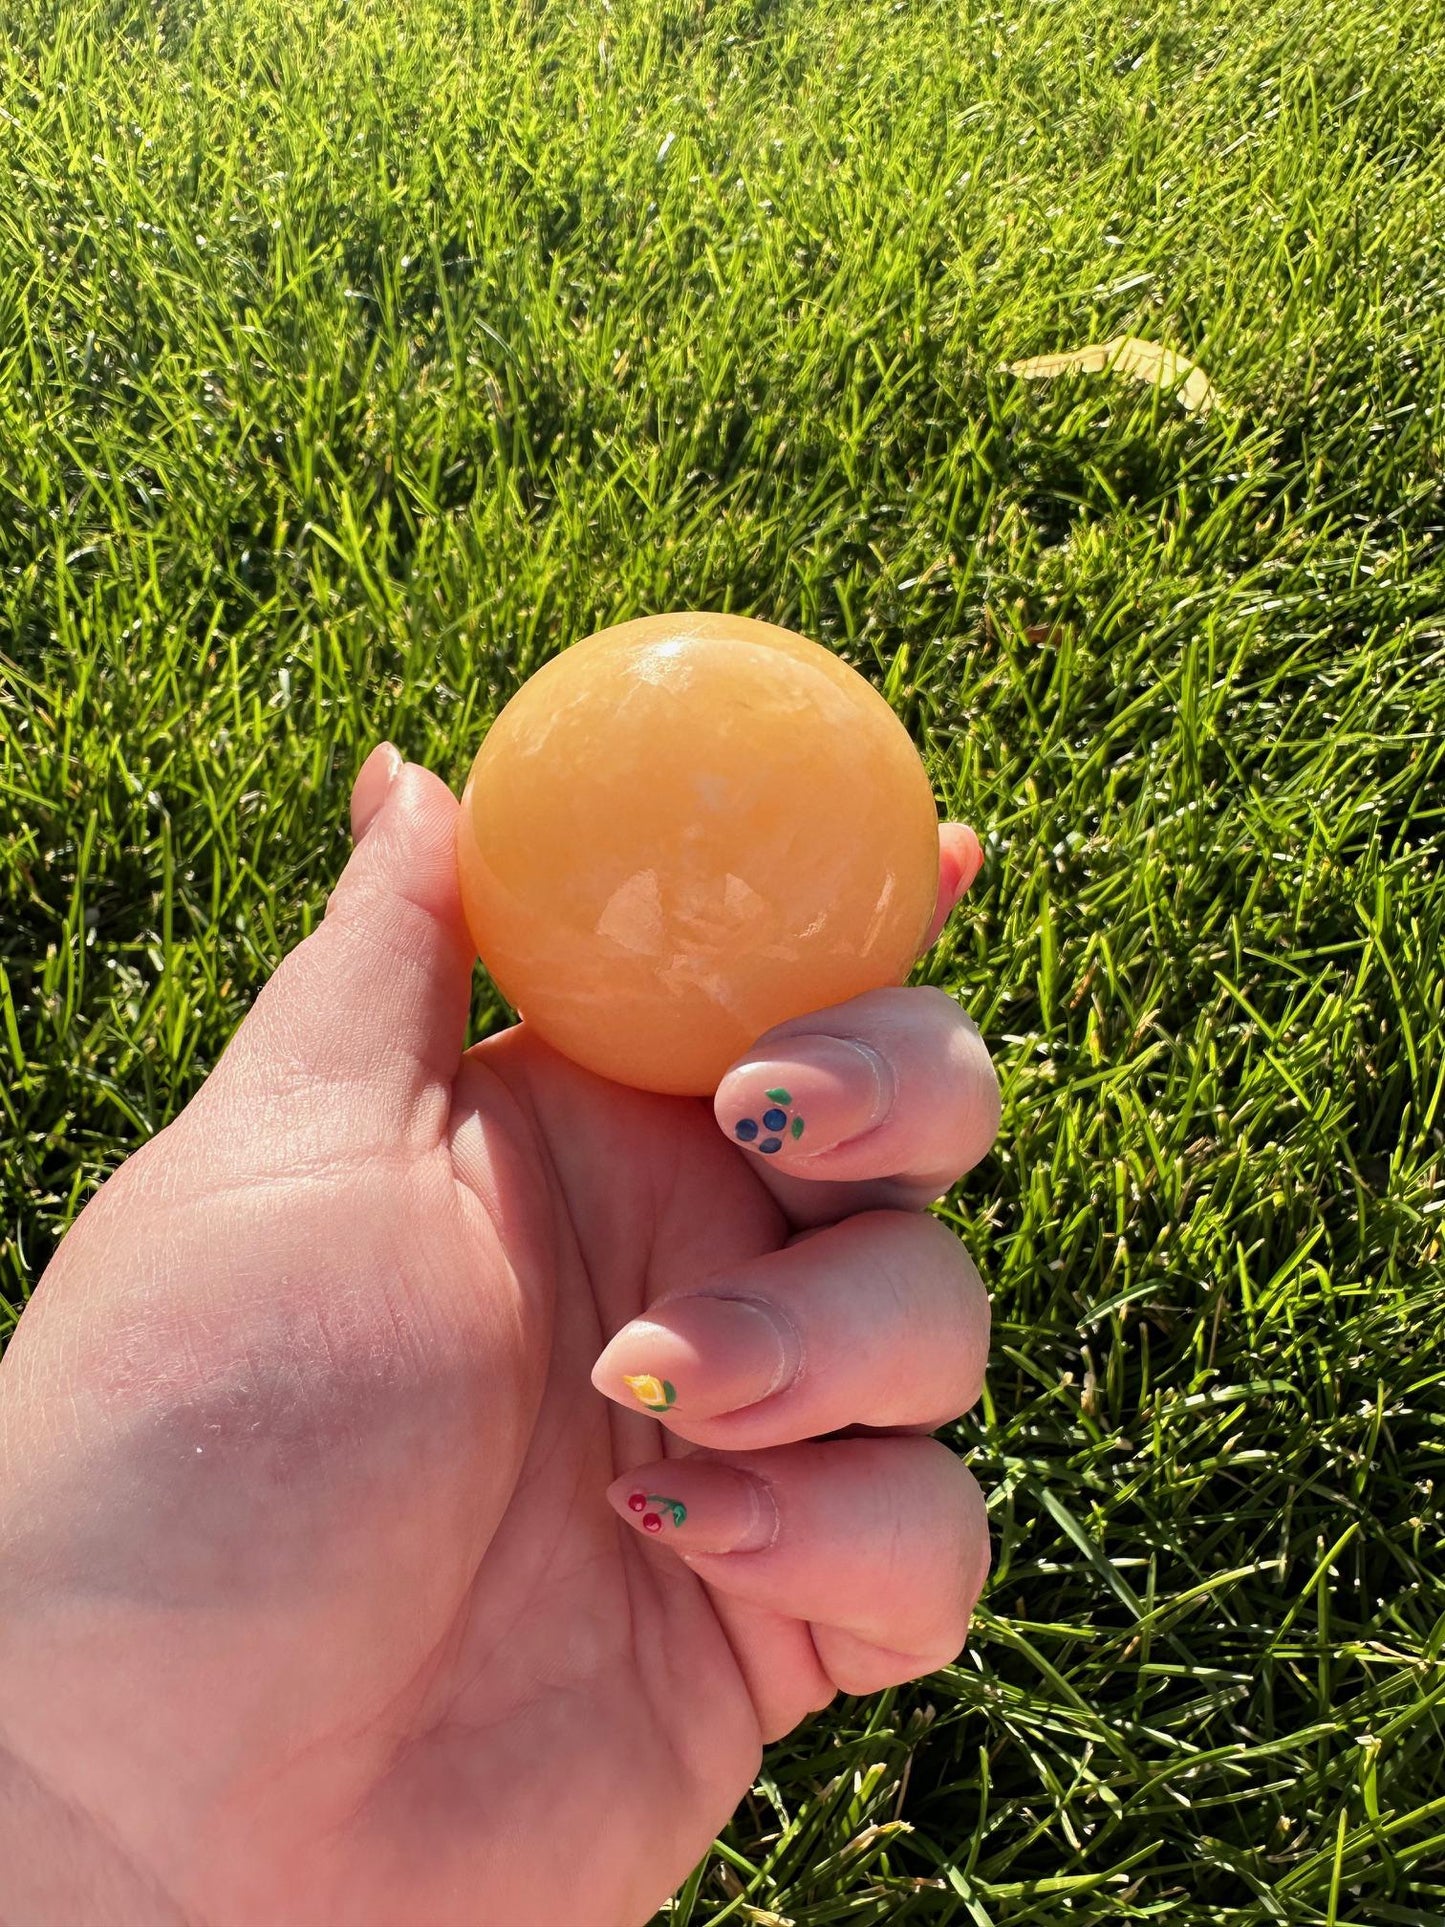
313, 1606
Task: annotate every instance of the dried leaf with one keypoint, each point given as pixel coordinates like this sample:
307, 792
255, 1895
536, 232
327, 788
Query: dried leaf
1127, 355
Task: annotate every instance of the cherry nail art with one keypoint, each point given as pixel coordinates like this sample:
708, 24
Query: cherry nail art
652, 1506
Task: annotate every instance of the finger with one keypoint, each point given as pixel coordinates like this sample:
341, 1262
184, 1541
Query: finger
881, 1544
881, 1320
377, 996
895, 1084
778, 1662
960, 858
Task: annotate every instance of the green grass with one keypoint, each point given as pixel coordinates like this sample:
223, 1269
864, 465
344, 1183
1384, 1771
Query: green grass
354, 357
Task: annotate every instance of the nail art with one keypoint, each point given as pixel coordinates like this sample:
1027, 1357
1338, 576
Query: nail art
652, 1521
657, 1394
775, 1123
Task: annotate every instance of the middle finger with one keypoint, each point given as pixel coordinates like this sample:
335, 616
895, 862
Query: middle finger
880, 1320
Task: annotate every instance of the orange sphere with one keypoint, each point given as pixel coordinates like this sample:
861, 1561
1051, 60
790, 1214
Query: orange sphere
685, 830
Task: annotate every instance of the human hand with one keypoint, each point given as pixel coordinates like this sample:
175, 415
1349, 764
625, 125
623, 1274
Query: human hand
313, 1608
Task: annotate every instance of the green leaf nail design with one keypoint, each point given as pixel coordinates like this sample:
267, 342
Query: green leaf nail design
779, 1096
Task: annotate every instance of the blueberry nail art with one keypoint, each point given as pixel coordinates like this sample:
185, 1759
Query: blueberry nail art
776, 1122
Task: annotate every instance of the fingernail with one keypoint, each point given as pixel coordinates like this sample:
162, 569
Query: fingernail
815, 1093
968, 875
697, 1506
373, 780
699, 1357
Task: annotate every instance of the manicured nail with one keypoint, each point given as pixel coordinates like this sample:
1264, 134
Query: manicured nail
698, 1506
816, 1092
373, 780
699, 1357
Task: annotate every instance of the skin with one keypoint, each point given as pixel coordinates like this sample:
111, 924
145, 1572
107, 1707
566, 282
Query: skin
321, 1600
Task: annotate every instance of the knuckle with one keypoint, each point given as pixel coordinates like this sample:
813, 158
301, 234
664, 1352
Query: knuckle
978, 1100
938, 1002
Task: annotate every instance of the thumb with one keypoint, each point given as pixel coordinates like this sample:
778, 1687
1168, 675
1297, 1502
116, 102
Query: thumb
378, 996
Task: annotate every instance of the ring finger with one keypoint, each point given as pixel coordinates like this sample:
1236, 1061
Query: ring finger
881, 1545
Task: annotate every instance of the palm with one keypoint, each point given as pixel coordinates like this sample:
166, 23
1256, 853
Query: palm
460, 1628
446, 1618
569, 1667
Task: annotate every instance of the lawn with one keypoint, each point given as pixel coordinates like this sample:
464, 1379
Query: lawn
355, 357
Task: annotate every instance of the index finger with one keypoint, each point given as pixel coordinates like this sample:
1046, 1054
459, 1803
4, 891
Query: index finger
892, 1091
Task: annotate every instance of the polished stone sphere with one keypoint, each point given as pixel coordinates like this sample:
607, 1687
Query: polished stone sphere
686, 829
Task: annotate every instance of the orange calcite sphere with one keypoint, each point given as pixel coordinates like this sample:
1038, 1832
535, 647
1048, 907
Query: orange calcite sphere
685, 830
